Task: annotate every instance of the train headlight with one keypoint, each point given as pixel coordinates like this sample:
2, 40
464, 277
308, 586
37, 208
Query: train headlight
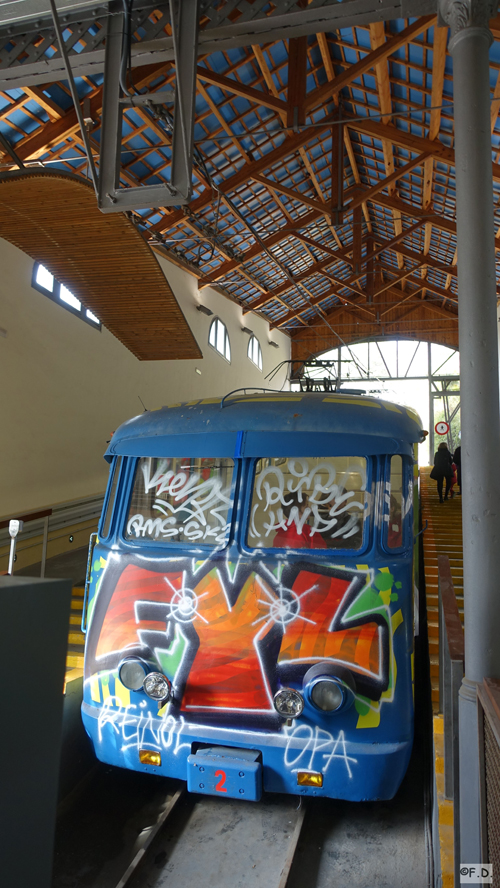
327, 694
132, 673
288, 703
157, 686
329, 687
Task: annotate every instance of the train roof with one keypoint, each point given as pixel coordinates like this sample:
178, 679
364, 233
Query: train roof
270, 424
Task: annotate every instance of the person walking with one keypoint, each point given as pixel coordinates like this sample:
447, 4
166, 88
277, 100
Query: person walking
457, 459
442, 470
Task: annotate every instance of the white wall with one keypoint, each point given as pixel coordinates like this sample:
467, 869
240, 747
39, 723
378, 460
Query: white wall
64, 386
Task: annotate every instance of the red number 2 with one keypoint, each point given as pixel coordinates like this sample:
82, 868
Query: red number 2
220, 785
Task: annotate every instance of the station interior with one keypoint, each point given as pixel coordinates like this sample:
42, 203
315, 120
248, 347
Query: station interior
202, 199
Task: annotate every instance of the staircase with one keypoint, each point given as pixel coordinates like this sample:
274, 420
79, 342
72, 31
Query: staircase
76, 638
444, 535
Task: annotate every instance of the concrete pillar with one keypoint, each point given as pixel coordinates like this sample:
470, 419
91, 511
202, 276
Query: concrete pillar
469, 45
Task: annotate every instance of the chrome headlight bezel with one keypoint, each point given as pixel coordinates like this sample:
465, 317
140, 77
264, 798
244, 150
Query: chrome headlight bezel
283, 698
157, 687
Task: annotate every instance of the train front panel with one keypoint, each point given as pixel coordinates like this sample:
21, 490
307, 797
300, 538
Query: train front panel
255, 617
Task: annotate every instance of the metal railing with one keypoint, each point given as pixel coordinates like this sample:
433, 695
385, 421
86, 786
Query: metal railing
25, 519
61, 516
451, 673
488, 693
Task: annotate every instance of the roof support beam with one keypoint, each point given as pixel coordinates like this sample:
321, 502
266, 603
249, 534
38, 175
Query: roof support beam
329, 90
230, 84
297, 68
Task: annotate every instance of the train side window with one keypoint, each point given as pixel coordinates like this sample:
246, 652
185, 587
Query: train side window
181, 500
395, 504
309, 502
106, 522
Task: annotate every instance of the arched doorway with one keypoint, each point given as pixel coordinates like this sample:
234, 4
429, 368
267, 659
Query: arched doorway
419, 374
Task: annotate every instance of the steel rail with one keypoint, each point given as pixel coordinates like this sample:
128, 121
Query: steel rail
146, 837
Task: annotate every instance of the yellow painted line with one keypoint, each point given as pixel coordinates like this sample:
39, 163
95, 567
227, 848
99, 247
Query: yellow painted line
76, 638
211, 400
75, 660
413, 415
359, 402
94, 689
272, 400
392, 407
73, 674
191, 403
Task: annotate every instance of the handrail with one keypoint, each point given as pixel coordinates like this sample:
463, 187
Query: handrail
488, 693
92, 542
253, 388
33, 516
451, 673
454, 629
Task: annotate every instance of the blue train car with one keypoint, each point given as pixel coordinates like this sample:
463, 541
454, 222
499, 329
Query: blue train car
250, 596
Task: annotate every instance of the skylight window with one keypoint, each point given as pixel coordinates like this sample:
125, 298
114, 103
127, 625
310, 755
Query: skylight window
46, 283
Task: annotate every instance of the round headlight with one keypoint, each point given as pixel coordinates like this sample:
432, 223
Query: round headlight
288, 703
327, 695
132, 674
157, 686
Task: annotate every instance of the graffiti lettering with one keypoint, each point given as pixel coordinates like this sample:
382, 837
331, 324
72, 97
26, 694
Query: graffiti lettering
323, 497
193, 507
315, 749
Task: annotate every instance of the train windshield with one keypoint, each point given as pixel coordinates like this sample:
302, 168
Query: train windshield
309, 502
181, 499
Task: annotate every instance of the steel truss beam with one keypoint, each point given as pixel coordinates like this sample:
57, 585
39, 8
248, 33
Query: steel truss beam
28, 20
111, 197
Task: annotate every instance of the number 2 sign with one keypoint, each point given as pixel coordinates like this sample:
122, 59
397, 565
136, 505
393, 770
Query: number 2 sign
220, 785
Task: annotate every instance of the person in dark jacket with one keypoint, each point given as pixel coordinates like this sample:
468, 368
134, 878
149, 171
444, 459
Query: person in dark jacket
442, 469
457, 459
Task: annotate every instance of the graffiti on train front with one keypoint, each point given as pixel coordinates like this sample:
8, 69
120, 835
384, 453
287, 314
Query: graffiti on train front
229, 634
303, 746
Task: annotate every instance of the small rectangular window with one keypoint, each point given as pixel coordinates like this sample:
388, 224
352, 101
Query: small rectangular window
181, 500
68, 297
106, 523
46, 283
44, 278
309, 502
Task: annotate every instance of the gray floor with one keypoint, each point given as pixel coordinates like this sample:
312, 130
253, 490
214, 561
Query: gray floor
70, 565
231, 844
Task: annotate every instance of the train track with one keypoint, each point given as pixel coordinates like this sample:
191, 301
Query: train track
214, 841
131, 832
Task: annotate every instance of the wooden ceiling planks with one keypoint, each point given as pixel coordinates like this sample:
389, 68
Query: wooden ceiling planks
102, 259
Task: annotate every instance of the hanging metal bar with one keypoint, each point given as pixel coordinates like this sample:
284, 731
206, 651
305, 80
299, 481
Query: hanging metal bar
74, 94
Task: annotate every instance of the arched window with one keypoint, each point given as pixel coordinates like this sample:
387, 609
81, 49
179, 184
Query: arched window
254, 352
218, 338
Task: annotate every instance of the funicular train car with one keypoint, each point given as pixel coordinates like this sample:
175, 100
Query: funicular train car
250, 596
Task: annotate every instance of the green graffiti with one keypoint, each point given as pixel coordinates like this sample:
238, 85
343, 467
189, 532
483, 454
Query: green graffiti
362, 705
383, 581
170, 659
